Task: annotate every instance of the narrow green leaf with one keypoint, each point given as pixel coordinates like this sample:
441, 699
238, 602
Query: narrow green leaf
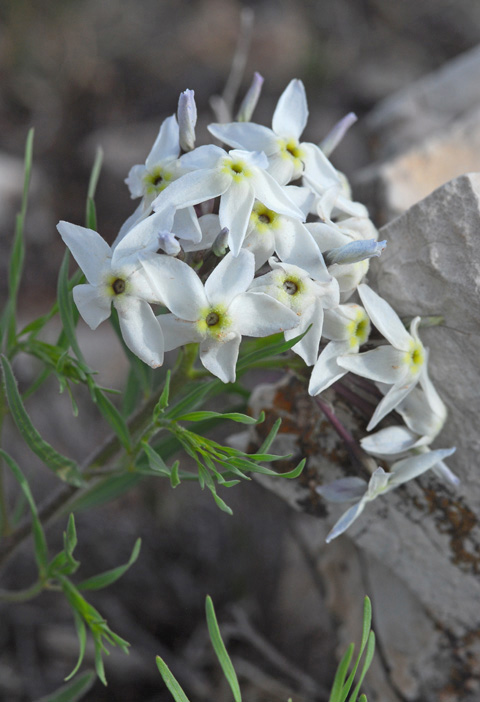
70, 536
170, 681
63, 467
41, 551
95, 173
270, 437
194, 397
174, 476
155, 461
91, 214
234, 416
8, 322
162, 403
220, 503
66, 309
341, 674
366, 665
362, 698
367, 621
97, 582
221, 651
111, 414
74, 691
99, 667
82, 642
275, 348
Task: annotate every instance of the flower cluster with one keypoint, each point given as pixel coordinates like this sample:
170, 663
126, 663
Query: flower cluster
253, 239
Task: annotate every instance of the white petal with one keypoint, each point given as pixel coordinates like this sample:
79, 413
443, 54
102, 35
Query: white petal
343, 490
383, 364
186, 225
385, 318
346, 520
391, 440
377, 484
143, 237
295, 244
220, 358
409, 468
246, 135
167, 144
291, 112
307, 348
209, 228
319, 172
392, 399
178, 332
134, 180
274, 196
90, 251
140, 213
327, 236
203, 157
281, 169
193, 188
141, 331
261, 244
258, 314
326, 370
235, 209
176, 285
230, 277
92, 304
442, 471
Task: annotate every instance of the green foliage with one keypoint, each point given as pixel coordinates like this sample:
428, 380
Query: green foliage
73, 691
341, 685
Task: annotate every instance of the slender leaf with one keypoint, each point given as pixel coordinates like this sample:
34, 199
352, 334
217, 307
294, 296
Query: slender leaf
162, 403
63, 467
111, 414
104, 490
170, 681
274, 348
82, 642
97, 582
66, 309
341, 674
174, 475
221, 651
268, 441
74, 691
155, 461
367, 621
234, 416
41, 551
366, 665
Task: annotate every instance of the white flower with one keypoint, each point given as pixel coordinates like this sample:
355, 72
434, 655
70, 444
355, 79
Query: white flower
217, 315
187, 119
287, 156
294, 287
239, 177
117, 276
348, 327
350, 489
400, 365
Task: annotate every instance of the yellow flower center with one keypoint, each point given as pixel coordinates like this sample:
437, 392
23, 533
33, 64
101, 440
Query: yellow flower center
214, 321
263, 219
237, 169
416, 356
156, 180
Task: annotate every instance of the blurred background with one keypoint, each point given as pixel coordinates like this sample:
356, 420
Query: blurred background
88, 74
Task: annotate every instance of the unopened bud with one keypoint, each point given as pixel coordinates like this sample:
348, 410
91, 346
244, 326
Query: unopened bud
250, 100
187, 119
168, 243
335, 136
221, 242
354, 252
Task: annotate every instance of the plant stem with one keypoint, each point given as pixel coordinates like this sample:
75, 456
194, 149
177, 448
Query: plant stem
22, 595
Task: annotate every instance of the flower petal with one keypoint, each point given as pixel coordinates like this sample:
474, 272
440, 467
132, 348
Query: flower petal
141, 331
178, 332
294, 244
385, 318
384, 364
203, 157
94, 307
392, 399
220, 358
167, 143
410, 468
343, 489
230, 277
274, 196
307, 348
388, 441
346, 520
326, 370
245, 135
193, 188
176, 285
90, 251
291, 113
143, 237
236, 206
258, 314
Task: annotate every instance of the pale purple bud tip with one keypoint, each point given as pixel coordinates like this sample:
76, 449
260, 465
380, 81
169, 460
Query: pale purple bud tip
168, 243
335, 136
250, 100
187, 119
354, 252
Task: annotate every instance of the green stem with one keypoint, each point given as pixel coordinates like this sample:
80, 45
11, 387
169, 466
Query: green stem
22, 595
5, 527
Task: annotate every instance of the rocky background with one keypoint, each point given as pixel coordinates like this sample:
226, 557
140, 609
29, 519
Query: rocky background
87, 74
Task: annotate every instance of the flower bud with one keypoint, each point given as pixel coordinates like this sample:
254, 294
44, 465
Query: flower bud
187, 119
354, 252
250, 100
335, 136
